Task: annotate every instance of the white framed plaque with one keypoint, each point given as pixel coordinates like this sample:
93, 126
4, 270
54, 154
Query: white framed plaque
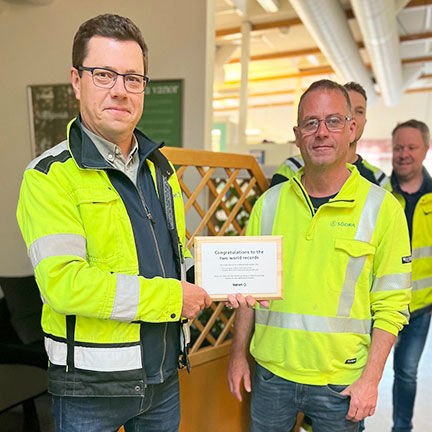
249, 265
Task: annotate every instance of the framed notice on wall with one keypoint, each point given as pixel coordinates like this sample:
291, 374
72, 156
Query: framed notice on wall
51, 108
162, 115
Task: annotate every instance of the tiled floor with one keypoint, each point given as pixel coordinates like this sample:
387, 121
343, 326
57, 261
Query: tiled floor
380, 422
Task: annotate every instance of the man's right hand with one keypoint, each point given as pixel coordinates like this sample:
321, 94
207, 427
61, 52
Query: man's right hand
238, 370
195, 299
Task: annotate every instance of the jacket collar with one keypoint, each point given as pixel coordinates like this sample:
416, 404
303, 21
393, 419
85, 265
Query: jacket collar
87, 156
425, 187
347, 193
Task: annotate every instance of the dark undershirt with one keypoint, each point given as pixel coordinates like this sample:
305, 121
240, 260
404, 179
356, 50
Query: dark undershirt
317, 202
411, 199
410, 204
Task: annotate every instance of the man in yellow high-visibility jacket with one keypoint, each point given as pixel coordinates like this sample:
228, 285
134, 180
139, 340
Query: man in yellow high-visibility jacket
412, 185
103, 219
347, 277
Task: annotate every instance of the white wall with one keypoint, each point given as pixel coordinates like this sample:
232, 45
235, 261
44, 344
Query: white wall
36, 49
382, 119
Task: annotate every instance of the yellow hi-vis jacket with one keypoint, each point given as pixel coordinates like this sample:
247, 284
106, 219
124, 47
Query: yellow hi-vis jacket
105, 321
421, 244
346, 270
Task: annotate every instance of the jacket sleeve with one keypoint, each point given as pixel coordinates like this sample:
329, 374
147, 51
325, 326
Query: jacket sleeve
70, 284
254, 225
391, 287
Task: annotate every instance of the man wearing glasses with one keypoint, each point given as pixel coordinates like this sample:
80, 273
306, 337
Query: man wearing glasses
102, 216
347, 277
358, 99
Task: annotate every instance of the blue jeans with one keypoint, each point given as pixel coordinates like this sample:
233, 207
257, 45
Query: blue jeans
407, 353
276, 402
157, 411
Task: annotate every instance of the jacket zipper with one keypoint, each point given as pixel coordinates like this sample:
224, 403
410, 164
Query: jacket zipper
305, 197
152, 222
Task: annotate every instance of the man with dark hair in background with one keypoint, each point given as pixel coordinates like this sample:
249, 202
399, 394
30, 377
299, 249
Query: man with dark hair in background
102, 216
412, 186
358, 99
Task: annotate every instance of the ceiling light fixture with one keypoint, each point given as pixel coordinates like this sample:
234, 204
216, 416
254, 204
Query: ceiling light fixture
269, 5
312, 59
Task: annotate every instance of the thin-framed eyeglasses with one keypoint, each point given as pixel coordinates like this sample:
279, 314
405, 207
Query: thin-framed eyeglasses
106, 78
333, 122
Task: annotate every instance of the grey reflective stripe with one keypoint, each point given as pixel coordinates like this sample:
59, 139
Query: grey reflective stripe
312, 323
54, 151
188, 262
369, 216
423, 252
378, 174
420, 284
168, 203
365, 229
269, 207
392, 282
405, 313
57, 245
127, 297
104, 359
352, 274
384, 181
292, 165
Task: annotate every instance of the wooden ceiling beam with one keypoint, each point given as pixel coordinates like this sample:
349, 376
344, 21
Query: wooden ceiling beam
289, 103
268, 105
416, 37
423, 59
323, 70
282, 54
316, 50
418, 3
273, 93
419, 90
306, 72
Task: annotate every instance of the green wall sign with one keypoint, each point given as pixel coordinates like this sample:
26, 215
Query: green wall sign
162, 116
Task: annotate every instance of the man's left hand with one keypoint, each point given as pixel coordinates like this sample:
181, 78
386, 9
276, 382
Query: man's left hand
364, 395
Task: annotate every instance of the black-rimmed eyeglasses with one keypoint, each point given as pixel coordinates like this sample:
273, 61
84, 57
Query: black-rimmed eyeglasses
334, 123
106, 78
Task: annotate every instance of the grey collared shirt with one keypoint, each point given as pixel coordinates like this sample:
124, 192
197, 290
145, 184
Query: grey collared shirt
114, 156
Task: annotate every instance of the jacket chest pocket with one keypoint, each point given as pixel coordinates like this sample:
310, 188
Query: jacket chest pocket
360, 260
100, 215
355, 248
427, 208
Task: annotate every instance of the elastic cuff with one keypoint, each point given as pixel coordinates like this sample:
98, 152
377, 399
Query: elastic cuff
384, 325
175, 302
